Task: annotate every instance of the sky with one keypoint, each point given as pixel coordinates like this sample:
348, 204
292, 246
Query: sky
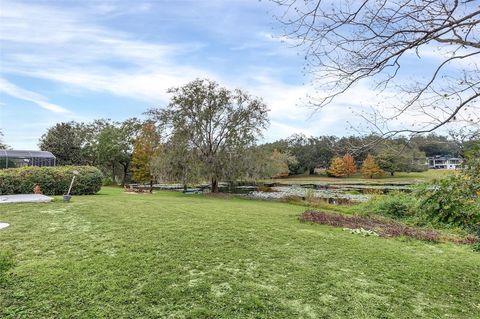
83, 60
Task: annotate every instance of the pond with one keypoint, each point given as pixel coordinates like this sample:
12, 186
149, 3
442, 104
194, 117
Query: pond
330, 193
330, 196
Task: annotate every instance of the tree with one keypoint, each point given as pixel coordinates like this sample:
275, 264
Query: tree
2, 145
217, 124
397, 155
262, 162
309, 152
347, 42
115, 146
433, 144
278, 163
64, 141
358, 146
89, 134
177, 162
338, 168
145, 149
350, 166
370, 168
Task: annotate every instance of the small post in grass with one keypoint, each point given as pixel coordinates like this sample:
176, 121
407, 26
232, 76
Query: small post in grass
67, 197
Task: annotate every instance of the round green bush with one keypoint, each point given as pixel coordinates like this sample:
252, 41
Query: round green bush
52, 180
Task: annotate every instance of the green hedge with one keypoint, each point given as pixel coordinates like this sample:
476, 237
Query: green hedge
52, 180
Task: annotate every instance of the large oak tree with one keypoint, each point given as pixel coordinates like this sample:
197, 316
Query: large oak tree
218, 125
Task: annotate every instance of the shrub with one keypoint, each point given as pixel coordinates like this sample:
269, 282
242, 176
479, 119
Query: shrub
476, 247
394, 204
52, 180
448, 201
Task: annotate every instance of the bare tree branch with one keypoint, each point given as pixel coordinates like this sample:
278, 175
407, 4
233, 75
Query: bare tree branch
347, 42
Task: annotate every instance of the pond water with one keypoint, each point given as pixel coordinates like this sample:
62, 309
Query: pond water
330, 196
331, 193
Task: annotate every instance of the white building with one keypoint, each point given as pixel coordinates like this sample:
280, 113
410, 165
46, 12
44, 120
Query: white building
444, 162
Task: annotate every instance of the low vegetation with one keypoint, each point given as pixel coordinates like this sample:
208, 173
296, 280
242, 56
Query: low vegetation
396, 205
51, 180
382, 227
169, 254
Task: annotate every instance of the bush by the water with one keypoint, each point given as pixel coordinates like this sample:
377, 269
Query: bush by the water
452, 201
455, 200
395, 204
52, 180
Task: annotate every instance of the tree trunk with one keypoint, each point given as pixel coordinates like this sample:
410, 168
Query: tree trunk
125, 172
151, 186
392, 172
113, 174
214, 188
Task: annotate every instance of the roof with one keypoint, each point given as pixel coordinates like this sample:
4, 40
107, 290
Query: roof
444, 157
25, 154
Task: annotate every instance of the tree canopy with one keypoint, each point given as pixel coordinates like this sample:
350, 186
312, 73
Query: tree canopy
145, 149
2, 145
64, 141
217, 125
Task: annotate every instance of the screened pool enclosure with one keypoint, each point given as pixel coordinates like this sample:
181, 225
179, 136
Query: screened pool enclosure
13, 158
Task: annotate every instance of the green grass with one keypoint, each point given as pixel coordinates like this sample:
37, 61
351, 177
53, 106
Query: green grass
397, 178
170, 255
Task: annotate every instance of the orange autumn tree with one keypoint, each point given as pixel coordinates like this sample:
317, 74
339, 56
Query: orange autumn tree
146, 147
370, 168
338, 168
350, 165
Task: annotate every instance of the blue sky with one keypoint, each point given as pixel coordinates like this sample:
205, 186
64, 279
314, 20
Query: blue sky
82, 60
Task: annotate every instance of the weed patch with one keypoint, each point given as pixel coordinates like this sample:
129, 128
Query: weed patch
384, 228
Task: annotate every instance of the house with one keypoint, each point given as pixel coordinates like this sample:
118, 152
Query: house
444, 162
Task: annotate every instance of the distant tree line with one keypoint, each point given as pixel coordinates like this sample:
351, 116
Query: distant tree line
208, 133
392, 154
140, 149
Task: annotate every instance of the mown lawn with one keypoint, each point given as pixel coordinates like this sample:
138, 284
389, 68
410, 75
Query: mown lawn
357, 178
170, 255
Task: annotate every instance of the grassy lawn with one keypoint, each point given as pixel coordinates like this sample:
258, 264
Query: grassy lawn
169, 255
397, 178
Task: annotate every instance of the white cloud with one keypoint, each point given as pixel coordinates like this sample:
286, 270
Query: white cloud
66, 47
75, 51
19, 93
